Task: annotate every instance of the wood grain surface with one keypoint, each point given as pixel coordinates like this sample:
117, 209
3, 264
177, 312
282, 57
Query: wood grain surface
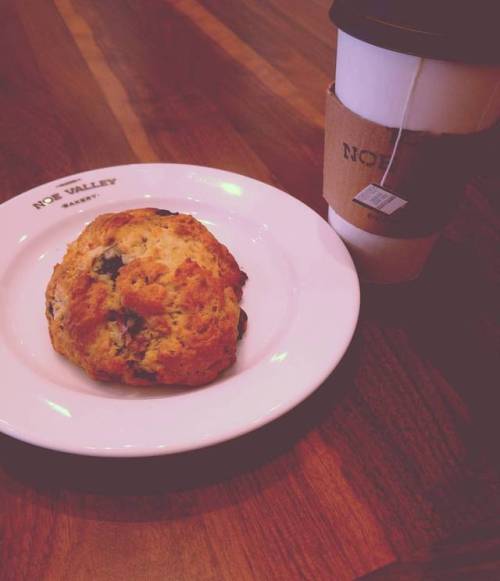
393, 464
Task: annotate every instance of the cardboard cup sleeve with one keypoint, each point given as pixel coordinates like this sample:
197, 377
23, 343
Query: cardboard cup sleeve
423, 185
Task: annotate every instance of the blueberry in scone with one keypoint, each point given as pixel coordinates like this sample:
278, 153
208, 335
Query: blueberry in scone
147, 297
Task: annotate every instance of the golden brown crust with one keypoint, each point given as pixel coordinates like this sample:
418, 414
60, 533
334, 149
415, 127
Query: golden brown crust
144, 297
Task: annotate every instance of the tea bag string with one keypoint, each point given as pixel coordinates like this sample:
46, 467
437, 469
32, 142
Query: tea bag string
404, 118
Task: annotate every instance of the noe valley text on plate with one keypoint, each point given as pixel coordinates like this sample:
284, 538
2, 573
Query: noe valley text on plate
71, 191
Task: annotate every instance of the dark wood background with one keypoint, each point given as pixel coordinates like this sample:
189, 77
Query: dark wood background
393, 463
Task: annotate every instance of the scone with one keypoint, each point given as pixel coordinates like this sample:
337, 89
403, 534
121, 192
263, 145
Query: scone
147, 297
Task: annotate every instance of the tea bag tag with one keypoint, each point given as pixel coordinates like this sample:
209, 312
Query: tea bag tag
376, 197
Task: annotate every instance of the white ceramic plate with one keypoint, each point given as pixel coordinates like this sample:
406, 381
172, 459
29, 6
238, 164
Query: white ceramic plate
302, 299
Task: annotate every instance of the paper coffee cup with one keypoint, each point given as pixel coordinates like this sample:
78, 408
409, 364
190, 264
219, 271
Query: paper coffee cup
389, 78
449, 97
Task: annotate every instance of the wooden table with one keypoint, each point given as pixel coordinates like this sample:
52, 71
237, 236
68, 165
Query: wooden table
393, 463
